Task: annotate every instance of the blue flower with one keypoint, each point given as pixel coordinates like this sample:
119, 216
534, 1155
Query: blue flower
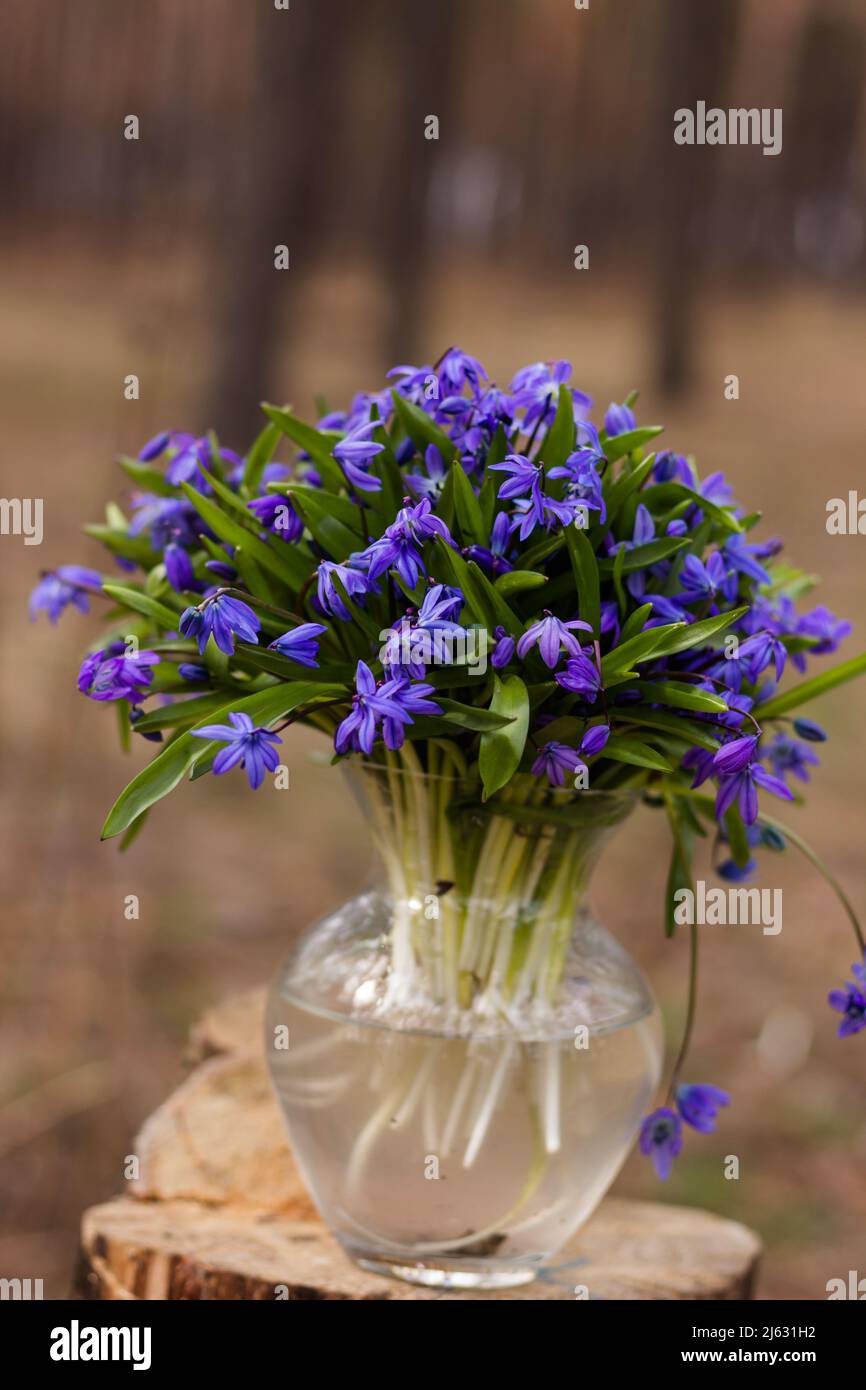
166, 519
391, 704
356, 450
493, 560
740, 784
699, 1106
788, 755
64, 586
178, 567
154, 447
355, 584
581, 470
619, 419
116, 674
702, 581
581, 677
554, 760
809, 730
222, 618
551, 635
400, 547
456, 368
503, 649
540, 510
251, 748
526, 476
851, 1002
661, 1139
300, 644
275, 513
535, 390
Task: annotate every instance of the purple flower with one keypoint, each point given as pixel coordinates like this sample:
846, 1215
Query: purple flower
248, 747
166, 519
526, 476
190, 671
550, 634
581, 677
594, 740
581, 470
788, 755
540, 510
759, 651
661, 1139
809, 730
65, 585
190, 456
741, 556
275, 512
736, 755
391, 704
670, 467
829, 630
222, 618
355, 584
400, 547
178, 567
851, 1002
457, 368
554, 760
619, 419
699, 1106
503, 649
116, 674
702, 581
741, 785
535, 390
300, 644
700, 762
493, 560
154, 447
356, 450
431, 483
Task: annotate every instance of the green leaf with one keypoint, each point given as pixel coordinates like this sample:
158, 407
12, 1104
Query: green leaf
676, 492
133, 832
738, 838
421, 429
143, 603
619, 491
134, 548
145, 476
283, 560
638, 648
585, 568
643, 555
317, 443
332, 534
679, 695
697, 634
191, 711
634, 624
171, 765
689, 730
259, 457
472, 717
275, 664
622, 749
811, 689
515, 581
559, 441
626, 443
502, 749
467, 506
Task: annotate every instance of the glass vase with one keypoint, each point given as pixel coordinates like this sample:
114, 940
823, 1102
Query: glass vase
463, 1053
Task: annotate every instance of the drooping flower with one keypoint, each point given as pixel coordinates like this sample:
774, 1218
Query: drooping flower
525, 477
115, 673
851, 1002
618, 419
355, 451
178, 567
788, 756
400, 546
554, 760
551, 636
155, 446
456, 368
541, 510
68, 584
581, 677
300, 644
810, 731
493, 560
222, 618
740, 785
248, 747
391, 704
275, 513
503, 649
594, 740
661, 1139
352, 580
699, 1105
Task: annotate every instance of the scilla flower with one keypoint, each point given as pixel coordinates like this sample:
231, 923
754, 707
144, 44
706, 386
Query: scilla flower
661, 1139
851, 1002
248, 747
222, 618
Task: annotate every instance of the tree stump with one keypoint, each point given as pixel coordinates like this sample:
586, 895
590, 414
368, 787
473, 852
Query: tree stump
219, 1211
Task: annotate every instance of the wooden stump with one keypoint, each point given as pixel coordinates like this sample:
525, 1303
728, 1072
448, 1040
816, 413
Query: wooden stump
219, 1211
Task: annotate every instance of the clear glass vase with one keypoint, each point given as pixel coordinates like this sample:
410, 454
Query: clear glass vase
463, 1054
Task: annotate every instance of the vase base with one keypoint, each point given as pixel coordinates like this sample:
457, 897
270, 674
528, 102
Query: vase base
444, 1273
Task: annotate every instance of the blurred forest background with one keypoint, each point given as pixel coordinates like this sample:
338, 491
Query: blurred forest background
306, 127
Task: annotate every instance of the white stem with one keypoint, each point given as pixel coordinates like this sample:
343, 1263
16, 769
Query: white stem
488, 1105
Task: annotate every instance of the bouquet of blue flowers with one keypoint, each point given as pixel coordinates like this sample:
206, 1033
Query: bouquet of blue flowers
478, 585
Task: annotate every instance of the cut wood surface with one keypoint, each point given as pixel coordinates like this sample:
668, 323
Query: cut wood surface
219, 1211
